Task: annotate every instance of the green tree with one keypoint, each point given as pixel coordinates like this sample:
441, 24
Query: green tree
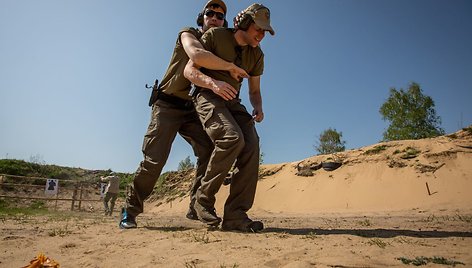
185, 164
411, 115
330, 142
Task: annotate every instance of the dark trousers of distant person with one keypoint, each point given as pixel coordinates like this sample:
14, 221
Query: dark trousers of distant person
232, 130
166, 121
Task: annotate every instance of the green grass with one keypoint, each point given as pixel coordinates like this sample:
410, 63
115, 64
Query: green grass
377, 149
418, 261
310, 235
10, 208
410, 152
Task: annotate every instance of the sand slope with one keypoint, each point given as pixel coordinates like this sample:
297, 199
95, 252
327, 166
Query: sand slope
388, 176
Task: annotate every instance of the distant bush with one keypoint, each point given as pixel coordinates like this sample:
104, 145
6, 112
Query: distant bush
330, 141
468, 129
18, 167
186, 164
67, 174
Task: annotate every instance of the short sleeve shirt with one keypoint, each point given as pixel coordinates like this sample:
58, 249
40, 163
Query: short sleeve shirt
113, 184
221, 42
174, 82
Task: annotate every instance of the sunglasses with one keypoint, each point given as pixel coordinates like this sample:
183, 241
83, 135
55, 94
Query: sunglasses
210, 13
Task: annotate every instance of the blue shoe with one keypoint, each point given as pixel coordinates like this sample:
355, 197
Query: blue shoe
127, 221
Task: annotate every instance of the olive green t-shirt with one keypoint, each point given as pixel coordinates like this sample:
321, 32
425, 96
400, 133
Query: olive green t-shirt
222, 43
174, 83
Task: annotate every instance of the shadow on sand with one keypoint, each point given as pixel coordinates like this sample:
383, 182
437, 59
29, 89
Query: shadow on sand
369, 233
380, 233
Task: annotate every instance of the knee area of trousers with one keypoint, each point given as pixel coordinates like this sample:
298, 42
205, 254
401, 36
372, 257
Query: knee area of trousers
150, 167
237, 142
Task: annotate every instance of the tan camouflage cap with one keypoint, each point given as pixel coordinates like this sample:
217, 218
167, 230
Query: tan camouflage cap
261, 16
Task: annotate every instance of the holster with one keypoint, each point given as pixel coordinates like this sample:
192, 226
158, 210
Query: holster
155, 93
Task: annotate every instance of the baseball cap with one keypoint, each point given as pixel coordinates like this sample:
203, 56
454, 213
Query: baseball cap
261, 16
216, 2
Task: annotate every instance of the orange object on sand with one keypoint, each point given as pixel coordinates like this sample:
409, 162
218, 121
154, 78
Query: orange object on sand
42, 261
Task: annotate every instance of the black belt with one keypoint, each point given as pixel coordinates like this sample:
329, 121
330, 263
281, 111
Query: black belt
176, 101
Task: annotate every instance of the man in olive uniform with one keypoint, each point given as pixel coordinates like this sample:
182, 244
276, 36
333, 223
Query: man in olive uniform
173, 112
227, 122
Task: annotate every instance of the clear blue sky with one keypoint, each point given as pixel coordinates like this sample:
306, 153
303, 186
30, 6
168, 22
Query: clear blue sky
72, 73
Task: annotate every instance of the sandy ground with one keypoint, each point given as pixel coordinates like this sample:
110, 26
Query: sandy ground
387, 202
323, 240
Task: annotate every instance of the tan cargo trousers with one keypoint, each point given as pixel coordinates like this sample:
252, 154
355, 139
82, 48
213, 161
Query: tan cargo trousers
232, 130
166, 121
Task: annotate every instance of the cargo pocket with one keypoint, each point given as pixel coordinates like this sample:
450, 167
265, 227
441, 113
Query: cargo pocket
207, 109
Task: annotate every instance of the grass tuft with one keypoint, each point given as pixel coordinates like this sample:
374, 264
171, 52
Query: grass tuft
365, 222
417, 261
377, 149
378, 242
202, 237
410, 152
310, 235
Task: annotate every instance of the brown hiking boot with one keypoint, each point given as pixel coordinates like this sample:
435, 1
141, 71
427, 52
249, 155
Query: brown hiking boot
247, 226
207, 215
191, 214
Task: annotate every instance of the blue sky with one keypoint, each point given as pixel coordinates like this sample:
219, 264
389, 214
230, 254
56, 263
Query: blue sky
72, 73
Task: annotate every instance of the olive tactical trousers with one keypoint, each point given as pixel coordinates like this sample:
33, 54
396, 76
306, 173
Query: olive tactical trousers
232, 130
166, 121
109, 197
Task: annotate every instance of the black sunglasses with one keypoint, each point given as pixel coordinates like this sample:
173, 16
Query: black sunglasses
210, 13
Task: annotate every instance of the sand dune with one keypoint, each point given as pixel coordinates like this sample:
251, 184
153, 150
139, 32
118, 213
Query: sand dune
388, 176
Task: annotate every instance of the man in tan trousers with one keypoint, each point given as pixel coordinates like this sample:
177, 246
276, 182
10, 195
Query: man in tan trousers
111, 192
227, 122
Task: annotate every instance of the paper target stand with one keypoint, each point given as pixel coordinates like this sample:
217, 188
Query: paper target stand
49, 189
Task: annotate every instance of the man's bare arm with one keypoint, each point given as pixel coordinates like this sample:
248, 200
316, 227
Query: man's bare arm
254, 83
221, 88
197, 53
